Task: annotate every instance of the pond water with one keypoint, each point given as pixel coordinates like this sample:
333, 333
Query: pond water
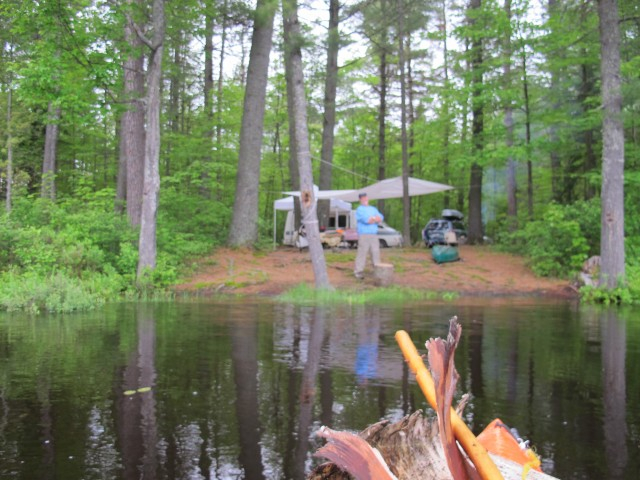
237, 389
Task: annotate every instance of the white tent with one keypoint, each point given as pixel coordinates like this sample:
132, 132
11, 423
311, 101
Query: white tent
392, 188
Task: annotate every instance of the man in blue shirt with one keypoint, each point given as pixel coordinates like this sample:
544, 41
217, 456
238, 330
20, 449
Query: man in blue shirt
367, 218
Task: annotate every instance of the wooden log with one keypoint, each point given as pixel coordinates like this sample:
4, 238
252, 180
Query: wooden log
412, 449
418, 446
383, 274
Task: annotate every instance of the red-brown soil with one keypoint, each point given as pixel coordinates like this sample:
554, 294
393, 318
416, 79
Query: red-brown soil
481, 271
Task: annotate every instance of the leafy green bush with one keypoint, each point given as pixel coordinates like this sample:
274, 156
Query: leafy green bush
556, 245
77, 252
57, 292
587, 214
627, 293
64, 256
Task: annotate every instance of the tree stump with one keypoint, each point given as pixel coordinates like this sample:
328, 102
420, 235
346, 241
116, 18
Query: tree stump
383, 274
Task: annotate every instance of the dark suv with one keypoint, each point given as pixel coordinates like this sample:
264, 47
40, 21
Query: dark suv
433, 232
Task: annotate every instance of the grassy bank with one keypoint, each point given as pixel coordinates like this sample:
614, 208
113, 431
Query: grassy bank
305, 295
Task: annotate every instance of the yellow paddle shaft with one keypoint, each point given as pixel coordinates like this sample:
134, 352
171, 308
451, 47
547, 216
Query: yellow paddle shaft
476, 452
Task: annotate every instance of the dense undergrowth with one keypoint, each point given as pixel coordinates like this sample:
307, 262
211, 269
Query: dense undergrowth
558, 244
76, 254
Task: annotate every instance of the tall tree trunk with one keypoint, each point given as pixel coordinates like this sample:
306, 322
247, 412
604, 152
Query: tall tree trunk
208, 58
241, 76
50, 150
244, 225
464, 134
411, 134
406, 201
132, 128
512, 200
590, 162
174, 103
446, 108
612, 267
120, 203
475, 184
329, 121
219, 92
382, 107
207, 92
556, 173
293, 146
527, 116
411, 114
147, 249
299, 106
9, 152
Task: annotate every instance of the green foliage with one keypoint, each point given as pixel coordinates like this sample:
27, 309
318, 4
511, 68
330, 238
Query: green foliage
619, 295
58, 292
625, 293
77, 253
63, 257
557, 245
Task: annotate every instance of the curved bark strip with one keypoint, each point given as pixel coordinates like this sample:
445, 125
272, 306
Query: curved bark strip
350, 450
441, 360
410, 449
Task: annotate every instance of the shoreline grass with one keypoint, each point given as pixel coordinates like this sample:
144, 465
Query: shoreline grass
306, 295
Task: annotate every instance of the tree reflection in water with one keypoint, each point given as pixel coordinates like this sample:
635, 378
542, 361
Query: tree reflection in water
244, 355
136, 413
614, 347
238, 389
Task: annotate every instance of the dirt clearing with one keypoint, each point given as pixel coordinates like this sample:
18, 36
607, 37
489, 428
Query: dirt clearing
481, 271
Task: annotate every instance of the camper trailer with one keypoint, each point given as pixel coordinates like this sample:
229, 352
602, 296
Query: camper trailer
341, 217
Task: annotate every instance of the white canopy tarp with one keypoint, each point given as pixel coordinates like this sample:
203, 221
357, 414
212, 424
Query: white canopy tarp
324, 194
392, 188
335, 204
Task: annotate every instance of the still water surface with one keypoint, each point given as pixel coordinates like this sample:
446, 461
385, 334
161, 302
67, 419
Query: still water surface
237, 389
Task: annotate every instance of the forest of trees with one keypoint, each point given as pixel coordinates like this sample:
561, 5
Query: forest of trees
138, 135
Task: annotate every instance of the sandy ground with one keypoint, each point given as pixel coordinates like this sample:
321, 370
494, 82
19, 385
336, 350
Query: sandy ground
481, 272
